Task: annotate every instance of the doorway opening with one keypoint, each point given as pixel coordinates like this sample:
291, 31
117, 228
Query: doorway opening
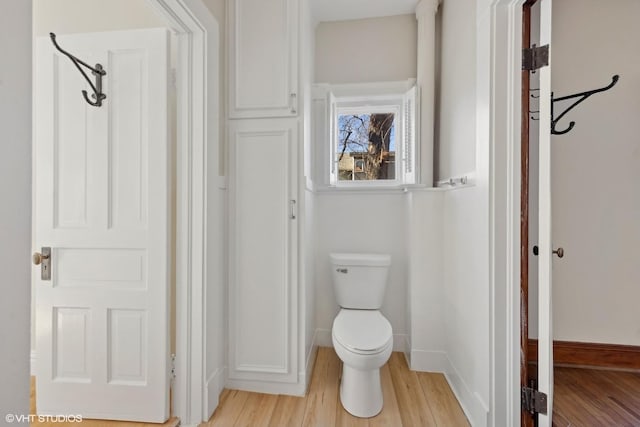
594, 349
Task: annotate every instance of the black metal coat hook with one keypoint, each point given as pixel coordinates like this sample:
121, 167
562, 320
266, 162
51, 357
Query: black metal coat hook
98, 72
582, 96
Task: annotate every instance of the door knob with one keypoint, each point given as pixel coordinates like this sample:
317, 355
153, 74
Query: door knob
43, 259
38, 258
559, 251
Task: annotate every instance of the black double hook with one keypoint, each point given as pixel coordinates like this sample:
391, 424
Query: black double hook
98, 71
582, 96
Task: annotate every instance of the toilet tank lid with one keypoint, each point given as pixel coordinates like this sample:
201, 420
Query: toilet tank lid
375, 260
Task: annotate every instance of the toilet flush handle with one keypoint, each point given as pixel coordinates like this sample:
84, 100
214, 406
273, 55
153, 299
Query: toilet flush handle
342, 270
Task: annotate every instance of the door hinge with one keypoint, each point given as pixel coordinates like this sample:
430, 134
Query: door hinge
172, 372
535, 57
533, 401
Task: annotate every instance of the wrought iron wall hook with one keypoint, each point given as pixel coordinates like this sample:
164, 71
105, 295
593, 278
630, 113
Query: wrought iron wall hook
98, 71
582, 96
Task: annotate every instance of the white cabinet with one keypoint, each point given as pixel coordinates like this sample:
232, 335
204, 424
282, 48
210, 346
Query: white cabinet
263, 60
263, 254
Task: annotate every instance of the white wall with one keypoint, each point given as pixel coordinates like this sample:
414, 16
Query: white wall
467, 296
371, 223
596, 173
360, 221
463, 142
15, 208
90, 16
366, 50
457, 89
424, 227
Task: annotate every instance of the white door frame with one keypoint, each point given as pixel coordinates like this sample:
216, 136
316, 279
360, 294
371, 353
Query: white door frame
503, 89
198, 122
198, 130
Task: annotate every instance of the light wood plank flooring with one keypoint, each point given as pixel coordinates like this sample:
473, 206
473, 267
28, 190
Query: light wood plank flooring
595, 398
89, 423
411, 399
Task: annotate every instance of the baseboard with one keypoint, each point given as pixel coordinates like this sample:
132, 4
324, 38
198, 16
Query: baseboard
429, 361
268, 387
213, 388
310, 362
590, 354
400, 342
324, 340
472, 404
407, 350
474, 408
32, 363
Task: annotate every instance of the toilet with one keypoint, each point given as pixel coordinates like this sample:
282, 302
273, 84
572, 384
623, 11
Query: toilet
362, 336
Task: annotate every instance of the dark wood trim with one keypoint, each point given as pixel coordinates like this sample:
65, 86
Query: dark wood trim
590, 354
526, 420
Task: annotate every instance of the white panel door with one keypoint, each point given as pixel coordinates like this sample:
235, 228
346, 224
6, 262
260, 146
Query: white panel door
545, 324
263, 229
101, 204
263, 65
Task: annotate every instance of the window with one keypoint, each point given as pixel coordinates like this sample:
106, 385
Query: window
366, 144
372, 138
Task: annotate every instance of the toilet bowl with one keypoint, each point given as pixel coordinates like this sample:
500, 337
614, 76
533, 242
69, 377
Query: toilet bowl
362, 337
363, 340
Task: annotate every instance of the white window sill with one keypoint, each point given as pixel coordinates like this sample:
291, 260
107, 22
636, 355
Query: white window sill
396, 189
388, 189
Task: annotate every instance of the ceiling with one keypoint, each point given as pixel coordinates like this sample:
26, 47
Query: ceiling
341, 10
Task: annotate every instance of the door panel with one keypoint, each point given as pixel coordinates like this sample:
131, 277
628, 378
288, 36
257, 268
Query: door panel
545, 330
101, 203
263, 70
263, 245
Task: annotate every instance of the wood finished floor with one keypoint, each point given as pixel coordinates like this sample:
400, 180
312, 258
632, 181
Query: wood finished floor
595, 398
411, 399
90, 423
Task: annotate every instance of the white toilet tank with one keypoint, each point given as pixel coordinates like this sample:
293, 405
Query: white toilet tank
360, 280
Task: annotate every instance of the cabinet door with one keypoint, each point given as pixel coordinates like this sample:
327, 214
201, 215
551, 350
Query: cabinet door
263, 69
263, 244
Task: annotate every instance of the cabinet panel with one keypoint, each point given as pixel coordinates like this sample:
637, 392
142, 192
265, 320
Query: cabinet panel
263, 250
262, 58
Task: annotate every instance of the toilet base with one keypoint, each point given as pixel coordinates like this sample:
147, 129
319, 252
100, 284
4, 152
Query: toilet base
361, 392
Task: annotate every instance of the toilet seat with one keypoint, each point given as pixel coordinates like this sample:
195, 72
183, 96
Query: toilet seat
362, 331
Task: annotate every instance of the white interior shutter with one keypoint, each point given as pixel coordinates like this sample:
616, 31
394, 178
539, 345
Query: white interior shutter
410, 136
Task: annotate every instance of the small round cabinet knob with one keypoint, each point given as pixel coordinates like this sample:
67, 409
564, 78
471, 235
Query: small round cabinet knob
559, 252
38, 258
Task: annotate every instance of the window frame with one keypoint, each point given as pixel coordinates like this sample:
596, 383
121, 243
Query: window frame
389, 97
